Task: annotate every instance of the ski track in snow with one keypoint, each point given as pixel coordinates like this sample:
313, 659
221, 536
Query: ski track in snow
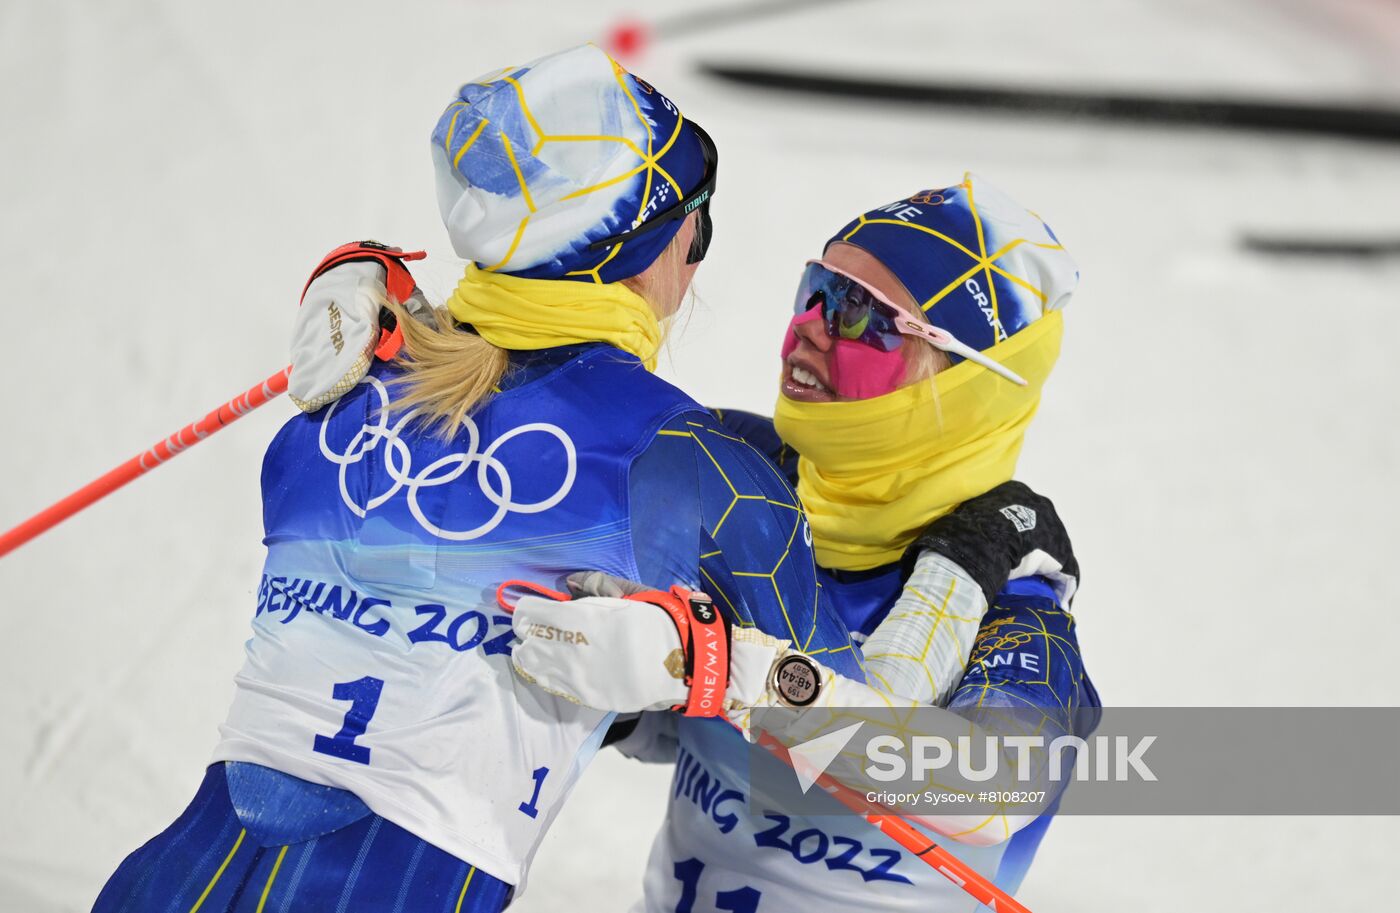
1219, 434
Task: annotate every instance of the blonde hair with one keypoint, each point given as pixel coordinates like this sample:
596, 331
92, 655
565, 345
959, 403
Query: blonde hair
922, 360
659, 280
450, 371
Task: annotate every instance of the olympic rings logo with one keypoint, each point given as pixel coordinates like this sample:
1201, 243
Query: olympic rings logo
933, 197
398, 463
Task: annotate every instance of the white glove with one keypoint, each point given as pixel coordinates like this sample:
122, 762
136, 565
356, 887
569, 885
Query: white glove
337, 329
623, 655
610, 652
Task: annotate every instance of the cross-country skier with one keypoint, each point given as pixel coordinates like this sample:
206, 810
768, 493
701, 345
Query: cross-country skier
380, 753
892, 433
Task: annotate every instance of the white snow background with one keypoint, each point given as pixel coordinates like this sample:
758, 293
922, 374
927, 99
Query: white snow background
1220, 434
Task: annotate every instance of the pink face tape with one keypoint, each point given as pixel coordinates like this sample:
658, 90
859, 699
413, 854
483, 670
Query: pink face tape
857, 371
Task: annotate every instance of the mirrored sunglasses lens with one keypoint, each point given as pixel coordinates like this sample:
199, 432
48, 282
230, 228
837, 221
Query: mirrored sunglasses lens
806, 292
853, 313
854, 318
883, 332
849, 310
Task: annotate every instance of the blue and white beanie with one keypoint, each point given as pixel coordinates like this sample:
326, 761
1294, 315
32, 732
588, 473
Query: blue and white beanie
981, 265
534, 163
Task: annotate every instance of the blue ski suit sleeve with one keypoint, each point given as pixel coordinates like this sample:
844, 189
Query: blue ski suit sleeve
759, 431
1027, 656
701, 490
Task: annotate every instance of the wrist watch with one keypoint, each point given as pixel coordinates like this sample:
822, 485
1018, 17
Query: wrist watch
796, 680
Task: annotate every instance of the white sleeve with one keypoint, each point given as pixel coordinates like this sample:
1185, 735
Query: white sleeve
922, 647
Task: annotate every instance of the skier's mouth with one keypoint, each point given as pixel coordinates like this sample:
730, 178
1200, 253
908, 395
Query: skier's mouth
802, 381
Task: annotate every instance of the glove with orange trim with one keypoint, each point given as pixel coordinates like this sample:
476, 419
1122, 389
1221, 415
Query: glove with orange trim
343, 323
610, 648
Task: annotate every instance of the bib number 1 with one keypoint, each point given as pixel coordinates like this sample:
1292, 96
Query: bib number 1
530, 808
363, 695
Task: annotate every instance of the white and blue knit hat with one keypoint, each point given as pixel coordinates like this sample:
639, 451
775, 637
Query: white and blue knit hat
535, 163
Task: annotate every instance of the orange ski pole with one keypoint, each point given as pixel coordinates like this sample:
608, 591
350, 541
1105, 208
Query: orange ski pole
976, 885
144, 462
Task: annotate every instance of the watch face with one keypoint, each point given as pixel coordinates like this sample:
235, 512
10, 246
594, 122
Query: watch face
796, 681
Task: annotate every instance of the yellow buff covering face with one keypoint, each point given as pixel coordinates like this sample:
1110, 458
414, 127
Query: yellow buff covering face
874, 472
528, 314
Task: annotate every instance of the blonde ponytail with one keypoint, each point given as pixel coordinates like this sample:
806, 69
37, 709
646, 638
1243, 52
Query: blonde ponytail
449, 371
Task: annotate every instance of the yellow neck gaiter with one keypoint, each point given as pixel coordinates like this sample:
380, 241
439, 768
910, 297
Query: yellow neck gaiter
528, 314
874, 473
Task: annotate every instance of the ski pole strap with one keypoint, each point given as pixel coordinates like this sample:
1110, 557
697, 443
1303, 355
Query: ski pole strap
390, 336
704, 645
397, 281
509, 606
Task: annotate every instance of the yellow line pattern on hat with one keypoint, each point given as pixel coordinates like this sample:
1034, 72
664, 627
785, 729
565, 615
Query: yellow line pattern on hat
471, 141
590, 139
519, 176
981, 261
525, 107
594, 272
982, 252
452, 125
649, 164
515, 242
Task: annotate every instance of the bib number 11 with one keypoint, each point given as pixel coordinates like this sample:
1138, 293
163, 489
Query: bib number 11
739, 900
363, 695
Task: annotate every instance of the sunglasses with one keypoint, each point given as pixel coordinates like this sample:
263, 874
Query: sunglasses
699, 198
855, 311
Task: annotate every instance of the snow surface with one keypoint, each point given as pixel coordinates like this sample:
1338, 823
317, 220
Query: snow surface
1221, 434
